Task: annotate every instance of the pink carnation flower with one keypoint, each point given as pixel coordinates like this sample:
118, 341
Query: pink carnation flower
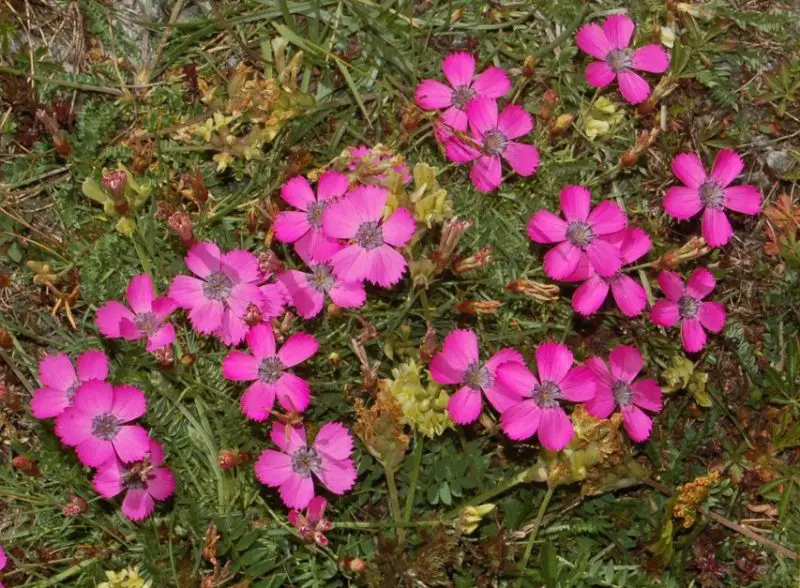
492, 138
313, 525
307, 289
459, 69
59, 381
144, 319
540, 411
358, 217
458, 363
714, 193
143, 482
685, 305
98, 423
225, 287
267, 369
615, 387
582, 236
611, 45
291, 468
629, 295
3, 560
304, 227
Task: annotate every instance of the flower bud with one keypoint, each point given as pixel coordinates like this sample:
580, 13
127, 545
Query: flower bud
470, 518
26, 466
529, 66
560, 125
477, 260
75, 506
114, 183
165, 356
537, 290
475, 307
181, 223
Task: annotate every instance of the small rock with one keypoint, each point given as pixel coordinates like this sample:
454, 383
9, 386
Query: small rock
779, 161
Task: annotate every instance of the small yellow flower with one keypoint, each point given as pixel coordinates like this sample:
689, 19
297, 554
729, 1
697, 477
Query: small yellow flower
667, 37
125, 578
424, 407
223, 160
596, 128
471, 517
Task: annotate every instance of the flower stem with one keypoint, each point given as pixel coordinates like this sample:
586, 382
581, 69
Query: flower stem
516, 480
412, 487
394, 503
534, 532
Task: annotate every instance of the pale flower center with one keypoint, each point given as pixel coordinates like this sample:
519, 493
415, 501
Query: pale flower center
105, 426
270, 370
370, 235
547, 394
462, 95
687, 306
305, 461
217, 286
622, 392
494, 142
619, 60
580, 234
314, 214
476, 376
321, 278
147, 323
711, 194
71, 391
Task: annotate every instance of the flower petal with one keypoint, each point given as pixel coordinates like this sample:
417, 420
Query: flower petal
297, 491
240, 367
744, 199
334, 441
129, 403
590, 296
289, 441
140, 293
625, 362
514, 122
261, 341
712, 316
297, 192
298, 348
693, 336
561, 260
618, 29
459, 68
258, 400
56, 371
629, 295
273, 468
521, 420
486, 173
459, 352
682, 202
523, 158
482, 115
592, 40
647, 394
546, 227
633, 87
636, 244
555, 429
604, 257
701, 283
727, 167
399, 227
650, 58
161, 483
433, 95
716, 228
665, 313
294, 393
386, 266
92, 365
599, 74
688, 168
493, 82
517, 378
464, 406
607, 217
578, 385
637, 424
671, 285
131, 443
203, 259
553, 361
338, 476
576, 201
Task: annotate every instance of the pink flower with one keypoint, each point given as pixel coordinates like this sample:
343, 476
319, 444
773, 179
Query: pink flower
358, 217
616, 387
713, 193
540, 410
143, 482
307, 289
292, 467
304, 227
3, 560
685, 305
145, 318
266, 368
97, 423
581, 236
312, 526
59, 381
459, 69
629, 295
458, 363
217, 300
610, 44
492, 138
375, 161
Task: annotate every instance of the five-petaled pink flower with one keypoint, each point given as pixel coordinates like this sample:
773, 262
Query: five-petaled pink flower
629, 295
98, 423
492, 137
307, 289
313, 525
611, 45
267, 369
225, 287
685, 304
458, 363
459, 69
304, 227
143, 482
291, 468
540, 411
712, 192
358, 217
615, 387
582, 235
59, 381
144, 319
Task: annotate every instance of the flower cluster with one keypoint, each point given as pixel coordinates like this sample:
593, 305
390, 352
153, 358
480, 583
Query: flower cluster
98, 419
471, 129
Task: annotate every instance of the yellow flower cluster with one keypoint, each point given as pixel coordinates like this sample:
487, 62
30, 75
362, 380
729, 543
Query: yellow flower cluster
602, 116
684, 375
691, 495
424, 407
126, 578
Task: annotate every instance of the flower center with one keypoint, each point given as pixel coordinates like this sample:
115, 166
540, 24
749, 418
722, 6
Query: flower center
105, 426
547, 394
687, 306
619, 60
494, 142
711, 194
370, 235
71, 391
462, 95
147, 323
477, 376
321, 278
314, 214
270, 370
217, 286
137, 475
622, 392
580, 234
305, 461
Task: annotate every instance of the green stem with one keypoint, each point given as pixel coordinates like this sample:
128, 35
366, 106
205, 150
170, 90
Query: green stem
489, 494
370, 525
534, 532
68, 573
394, 503
64, 83
412, 487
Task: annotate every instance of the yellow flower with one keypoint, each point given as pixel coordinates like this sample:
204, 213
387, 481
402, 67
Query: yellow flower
430, 201
424, 407
126, 578
223, 160
470, 518
596, 128
684, 375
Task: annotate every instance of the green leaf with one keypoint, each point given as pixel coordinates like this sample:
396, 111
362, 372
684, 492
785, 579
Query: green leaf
549, 565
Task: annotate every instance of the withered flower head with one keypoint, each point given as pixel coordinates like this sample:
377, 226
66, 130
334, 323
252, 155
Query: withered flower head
537, 290
181, 223
477, 306
380, 427
114, 182
479, 259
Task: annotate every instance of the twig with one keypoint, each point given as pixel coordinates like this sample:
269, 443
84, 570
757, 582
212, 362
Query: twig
751, 534
412, 486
